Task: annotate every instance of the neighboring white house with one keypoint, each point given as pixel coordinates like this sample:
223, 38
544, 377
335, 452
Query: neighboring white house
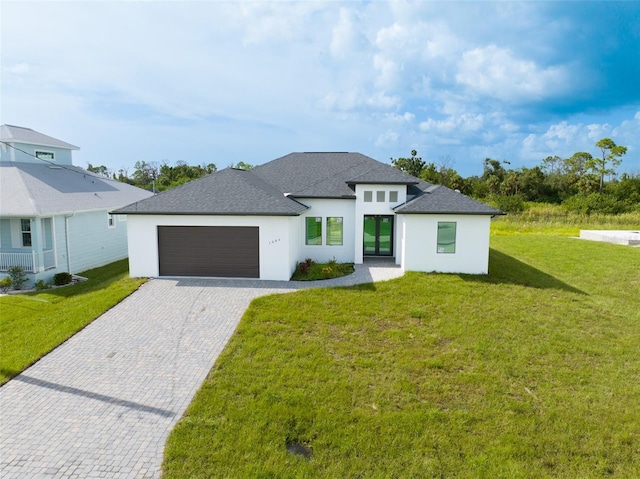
54, 216
260, 223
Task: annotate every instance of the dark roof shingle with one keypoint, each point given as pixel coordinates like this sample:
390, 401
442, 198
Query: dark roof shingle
271, 189
438, 199
327, 175
226, 192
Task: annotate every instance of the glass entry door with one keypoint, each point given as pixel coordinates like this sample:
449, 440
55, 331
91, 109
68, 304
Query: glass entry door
378, 235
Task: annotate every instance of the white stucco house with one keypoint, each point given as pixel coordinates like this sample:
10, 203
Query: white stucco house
54, 216
260, 223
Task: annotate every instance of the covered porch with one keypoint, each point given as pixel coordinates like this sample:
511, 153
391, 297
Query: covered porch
30, 262
28, 243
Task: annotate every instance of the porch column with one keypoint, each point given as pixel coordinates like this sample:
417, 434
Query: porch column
37, 244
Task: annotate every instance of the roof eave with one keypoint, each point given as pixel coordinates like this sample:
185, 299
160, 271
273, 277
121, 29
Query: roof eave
67, 146
466, 213
355, 182
191, 213
323, 197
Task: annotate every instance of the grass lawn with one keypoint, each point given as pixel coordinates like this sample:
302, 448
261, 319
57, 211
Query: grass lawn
531, 371
33, 324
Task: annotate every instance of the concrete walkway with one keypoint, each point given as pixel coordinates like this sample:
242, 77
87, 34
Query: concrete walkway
103, 403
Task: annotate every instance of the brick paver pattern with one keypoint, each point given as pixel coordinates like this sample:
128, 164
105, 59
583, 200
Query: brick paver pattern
102, 404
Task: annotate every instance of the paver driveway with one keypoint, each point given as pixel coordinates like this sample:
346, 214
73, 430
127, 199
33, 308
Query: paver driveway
103, 403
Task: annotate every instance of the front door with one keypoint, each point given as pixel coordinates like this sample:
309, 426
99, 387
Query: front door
378, 235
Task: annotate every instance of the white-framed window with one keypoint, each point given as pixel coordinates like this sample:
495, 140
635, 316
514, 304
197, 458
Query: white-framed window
334, 231
45, 155
111, 220
380, 196
25, 232
314, 230
368, 196
393, 197
122, 218
446, 237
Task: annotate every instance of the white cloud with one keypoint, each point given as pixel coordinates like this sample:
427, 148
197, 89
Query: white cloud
346, 37
565, 138
628, 134
454, 125
356, 99
18, 68
404, 118
387, 139
496, 72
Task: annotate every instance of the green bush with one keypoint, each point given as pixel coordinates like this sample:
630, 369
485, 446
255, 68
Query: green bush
61, 279
509, 203
5, 284
596, 203
18, 277
40, 285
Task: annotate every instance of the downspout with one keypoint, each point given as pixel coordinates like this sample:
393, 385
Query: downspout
66, 237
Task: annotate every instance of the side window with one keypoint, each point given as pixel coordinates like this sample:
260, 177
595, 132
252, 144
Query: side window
368, 196
314, 230
334, 231
446, 237
45, 155
111, 221
25, 229
393, 197
380, 196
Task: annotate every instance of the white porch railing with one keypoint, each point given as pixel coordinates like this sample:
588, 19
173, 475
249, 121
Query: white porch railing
27, 261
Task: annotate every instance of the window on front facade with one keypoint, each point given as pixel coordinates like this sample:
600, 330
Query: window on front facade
334, 231
380, 196
368, 196
393, 197
446, 237
45, 155
314, 230
25, 228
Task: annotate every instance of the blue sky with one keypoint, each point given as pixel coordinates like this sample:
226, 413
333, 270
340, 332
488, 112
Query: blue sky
223, 82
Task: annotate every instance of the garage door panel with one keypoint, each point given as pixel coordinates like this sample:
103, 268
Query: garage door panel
218, 251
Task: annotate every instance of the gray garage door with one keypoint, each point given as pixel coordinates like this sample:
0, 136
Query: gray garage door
222, 251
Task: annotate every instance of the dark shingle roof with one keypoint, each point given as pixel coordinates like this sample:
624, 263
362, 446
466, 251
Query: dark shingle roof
270, 189
327, 175
226, 192
438, 199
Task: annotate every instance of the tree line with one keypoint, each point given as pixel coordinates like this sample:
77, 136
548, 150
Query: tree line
154, 176
581, 183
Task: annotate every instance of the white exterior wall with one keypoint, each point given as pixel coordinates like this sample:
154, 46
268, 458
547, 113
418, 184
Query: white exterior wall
418, 235
375, 208
276, 234
328, 208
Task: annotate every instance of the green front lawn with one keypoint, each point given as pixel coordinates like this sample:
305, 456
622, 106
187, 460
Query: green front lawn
531, 371
33, 324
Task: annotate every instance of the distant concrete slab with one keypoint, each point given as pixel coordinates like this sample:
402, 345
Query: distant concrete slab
626, 237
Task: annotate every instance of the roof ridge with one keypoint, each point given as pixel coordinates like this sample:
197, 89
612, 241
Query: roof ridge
328, 174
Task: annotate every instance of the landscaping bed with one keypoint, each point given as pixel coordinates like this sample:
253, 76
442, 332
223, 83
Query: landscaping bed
309, 270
